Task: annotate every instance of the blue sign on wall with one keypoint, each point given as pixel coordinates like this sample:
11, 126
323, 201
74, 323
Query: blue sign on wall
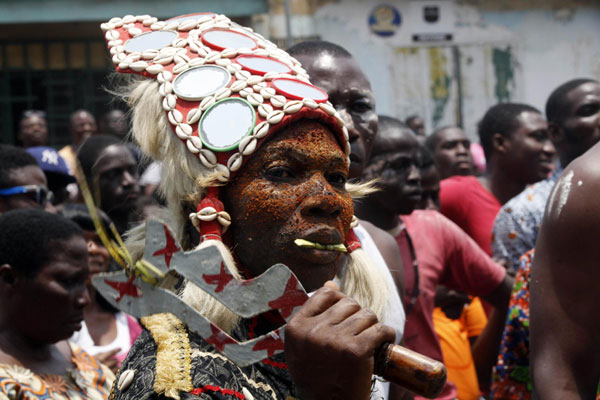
384, 20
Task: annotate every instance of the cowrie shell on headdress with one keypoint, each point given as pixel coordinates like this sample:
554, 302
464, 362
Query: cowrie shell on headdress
165, 76
191, 147
187, 25
149, 54
264, 110
327, 108
255, 99
175, 116
185, 129
210, 156
228, 53
179, 68
165, 89
245, 92
310, 103
223, 62
267, 92
149, 21
116, 21
261, 130
138, 66
242, 75
235, 162
212, 56
346, 135
129, 19
250, 146
134, 31
278, 100
181, 134
196, 141
163, 59
181, 58
292, 107
238, 85
193, 116
112, 35
123, 65
196, 62
275, 117
224, 173
254, 79
259, 86
158, 25
171, 26
206, 102
222, 93
169, 102
114, 43
224, 218
107, 26
125, 379
261, 52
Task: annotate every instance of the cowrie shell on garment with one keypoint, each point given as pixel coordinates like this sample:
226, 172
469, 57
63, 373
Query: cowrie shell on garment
261, 130
197, 142
235, 162
238, 85
292, 107
191, 147
275, 117
125, 379
193, 116
278, 101
206, 102
175, 117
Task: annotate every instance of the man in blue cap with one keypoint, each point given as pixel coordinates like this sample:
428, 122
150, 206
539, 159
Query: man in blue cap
56, 170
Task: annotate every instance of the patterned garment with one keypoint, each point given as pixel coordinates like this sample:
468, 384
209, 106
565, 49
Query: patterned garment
518, 223
511, 378
90, 381
168, 361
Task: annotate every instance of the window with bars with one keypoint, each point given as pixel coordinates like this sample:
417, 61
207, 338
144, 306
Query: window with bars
57, 76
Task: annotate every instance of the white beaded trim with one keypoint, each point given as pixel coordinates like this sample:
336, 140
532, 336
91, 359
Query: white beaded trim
254, 88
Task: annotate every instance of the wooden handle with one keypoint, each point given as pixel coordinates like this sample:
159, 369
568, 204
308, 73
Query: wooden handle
411, 370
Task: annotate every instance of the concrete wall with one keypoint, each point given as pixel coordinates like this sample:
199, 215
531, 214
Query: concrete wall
501, 50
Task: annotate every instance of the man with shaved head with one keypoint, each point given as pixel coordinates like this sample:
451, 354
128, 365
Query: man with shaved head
450, 147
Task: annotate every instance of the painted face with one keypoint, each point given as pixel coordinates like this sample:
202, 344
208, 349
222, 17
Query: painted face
98, 255
118, 179
350, 93
582, 125
531, 152
83, 125
29, 175
397, 171
430, 189
452, 155
292, 188
48, 308
34, 131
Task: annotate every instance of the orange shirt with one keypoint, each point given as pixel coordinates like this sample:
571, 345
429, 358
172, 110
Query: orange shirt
454, 337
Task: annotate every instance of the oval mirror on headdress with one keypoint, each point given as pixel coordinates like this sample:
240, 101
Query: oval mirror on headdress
221, 39
189, 17
150, 40
299, 90
226, 123
199, 82
260, 65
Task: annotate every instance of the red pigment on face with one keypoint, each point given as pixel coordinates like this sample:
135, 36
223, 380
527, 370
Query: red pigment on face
288, 190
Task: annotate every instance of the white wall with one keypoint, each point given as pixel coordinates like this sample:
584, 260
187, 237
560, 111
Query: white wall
538, 49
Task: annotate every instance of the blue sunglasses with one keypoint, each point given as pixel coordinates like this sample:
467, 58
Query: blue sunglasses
42, 195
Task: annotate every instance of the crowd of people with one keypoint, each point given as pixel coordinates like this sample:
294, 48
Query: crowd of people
491, 269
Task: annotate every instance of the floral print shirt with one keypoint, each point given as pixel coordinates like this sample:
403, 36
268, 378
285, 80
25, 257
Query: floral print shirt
89, 380
518, 223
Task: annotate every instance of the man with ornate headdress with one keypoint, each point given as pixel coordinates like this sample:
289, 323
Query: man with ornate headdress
255, 161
